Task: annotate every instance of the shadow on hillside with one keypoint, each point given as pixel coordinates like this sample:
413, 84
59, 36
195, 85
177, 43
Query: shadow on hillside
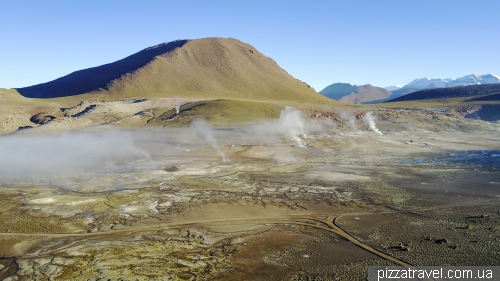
472, 91
91, 79
495, 97
488, 112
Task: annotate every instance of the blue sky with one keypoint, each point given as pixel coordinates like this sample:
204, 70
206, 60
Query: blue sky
382, 42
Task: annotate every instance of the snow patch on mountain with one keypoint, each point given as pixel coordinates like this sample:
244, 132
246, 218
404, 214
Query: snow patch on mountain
393, 88
472, 79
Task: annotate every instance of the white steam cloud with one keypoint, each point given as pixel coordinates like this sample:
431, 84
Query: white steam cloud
205, 131
28, 157
68, 156
351, 121
292, 125
370, 121
177, 105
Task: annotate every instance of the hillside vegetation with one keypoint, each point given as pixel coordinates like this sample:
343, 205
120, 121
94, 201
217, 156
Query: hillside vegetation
217, 112
210, 68
222, 80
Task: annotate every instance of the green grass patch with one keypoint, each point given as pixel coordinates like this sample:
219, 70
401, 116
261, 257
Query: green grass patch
218, 112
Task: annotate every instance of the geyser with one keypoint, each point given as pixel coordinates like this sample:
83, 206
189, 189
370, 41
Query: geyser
205, 131
351, 121
177, 105
291, 124
370, 121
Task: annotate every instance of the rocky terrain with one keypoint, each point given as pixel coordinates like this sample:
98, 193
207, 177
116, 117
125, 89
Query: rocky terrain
322, 199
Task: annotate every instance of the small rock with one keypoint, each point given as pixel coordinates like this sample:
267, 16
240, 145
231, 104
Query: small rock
441, 241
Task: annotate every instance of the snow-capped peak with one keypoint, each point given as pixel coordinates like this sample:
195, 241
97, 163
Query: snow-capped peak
490, 76
425, 83
393, 88
472, 79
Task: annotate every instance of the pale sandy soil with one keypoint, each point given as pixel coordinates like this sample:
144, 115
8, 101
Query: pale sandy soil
17, 113
264, 214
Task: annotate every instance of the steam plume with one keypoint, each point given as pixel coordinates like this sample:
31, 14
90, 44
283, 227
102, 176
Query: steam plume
204, 130
370, 121
351, 121
177, 105
25, 157
291, 124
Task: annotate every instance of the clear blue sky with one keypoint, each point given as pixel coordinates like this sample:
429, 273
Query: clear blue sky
320, 42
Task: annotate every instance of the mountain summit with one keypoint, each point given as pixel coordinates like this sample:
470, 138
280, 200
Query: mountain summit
346, 92
202, 68
472, 79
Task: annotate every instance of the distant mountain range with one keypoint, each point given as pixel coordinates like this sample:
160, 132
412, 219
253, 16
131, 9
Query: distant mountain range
393, 88
375, 95
355, 94
484, 97
479, 92
472, 79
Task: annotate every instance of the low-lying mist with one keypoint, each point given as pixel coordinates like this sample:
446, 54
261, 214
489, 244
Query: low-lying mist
104, 151
25, 157
292, 125
205, 131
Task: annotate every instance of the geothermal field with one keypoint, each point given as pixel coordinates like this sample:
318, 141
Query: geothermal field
314, 194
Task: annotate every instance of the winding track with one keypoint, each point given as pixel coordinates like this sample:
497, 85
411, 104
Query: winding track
329, 224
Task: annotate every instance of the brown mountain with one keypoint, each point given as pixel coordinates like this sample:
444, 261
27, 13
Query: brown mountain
366, 93
355, 94
222, 68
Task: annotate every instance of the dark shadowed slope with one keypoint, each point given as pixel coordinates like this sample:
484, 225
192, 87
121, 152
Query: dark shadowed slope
210, 68
472, 92
91, 79
492, 97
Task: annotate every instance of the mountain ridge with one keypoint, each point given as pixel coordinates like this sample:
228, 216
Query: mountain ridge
471, 79
350, 93
212, 68
482, 92
65, 85
346, 92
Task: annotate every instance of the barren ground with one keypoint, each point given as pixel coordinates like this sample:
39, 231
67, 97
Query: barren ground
421, 194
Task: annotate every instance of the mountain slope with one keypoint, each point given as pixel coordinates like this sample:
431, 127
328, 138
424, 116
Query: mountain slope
366, 93
395, 94
476, 101
486, 92
393, 88
91, 79
202, 68
472, 79
355, 94
337, 90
